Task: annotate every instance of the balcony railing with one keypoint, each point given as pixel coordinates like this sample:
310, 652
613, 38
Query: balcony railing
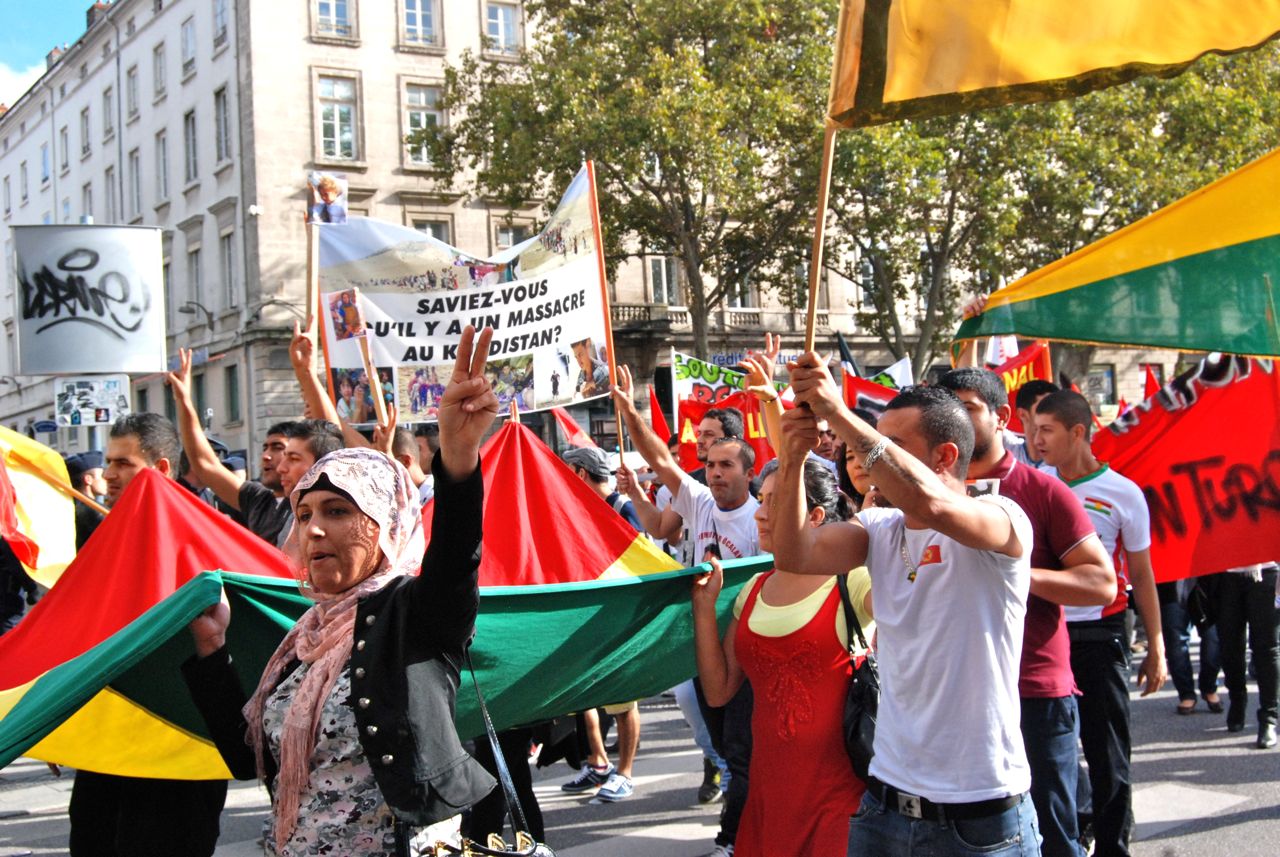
638, 316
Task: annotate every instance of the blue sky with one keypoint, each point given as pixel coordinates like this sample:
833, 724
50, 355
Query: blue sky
28, 30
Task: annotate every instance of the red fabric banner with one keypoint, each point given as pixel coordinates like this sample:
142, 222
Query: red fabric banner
1152, 384
691, 414
1031, 364
574, 434
1206, 453
26, 550
867, 395
657, 418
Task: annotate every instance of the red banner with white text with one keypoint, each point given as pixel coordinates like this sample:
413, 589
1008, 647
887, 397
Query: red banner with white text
1031, 364
691, 414
1206, 452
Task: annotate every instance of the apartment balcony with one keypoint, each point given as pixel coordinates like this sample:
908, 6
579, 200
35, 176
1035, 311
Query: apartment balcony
642, 318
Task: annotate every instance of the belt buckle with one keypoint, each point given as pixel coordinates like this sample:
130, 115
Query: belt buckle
909, 805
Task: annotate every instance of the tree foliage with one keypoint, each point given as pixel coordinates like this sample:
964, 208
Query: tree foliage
703, 118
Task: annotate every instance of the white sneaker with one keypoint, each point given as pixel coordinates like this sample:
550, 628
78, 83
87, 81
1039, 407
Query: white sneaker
721, 851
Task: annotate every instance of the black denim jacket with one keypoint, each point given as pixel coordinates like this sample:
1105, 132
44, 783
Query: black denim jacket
406, 661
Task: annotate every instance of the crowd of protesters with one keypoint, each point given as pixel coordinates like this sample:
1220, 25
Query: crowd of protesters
993, 575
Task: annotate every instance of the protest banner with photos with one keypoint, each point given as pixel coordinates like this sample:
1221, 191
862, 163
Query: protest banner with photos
410, 295
93, 400
101, 287
1206, 452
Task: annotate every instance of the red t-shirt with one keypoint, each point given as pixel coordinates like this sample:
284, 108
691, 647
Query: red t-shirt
1059, 523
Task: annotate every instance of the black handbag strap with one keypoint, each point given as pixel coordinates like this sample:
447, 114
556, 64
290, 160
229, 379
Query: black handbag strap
851, 624
514, 809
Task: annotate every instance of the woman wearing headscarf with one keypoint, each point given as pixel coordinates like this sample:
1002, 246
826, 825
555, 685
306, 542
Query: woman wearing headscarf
351, 724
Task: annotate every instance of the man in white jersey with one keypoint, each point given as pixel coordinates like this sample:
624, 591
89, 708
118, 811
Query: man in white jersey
1099, 641
720, 517
949, 578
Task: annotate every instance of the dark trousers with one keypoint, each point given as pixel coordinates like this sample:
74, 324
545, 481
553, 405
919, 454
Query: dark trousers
1244, 602
730, 729
1175, 625
130, 816
490, 814
1050, 728
1100, 661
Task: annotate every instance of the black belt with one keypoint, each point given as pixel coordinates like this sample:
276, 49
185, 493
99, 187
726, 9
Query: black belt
914, 806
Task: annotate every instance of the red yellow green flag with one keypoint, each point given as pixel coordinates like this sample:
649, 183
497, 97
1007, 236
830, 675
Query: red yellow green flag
905, 59
45, 514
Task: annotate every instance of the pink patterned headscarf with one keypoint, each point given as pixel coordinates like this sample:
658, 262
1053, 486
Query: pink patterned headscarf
322, 637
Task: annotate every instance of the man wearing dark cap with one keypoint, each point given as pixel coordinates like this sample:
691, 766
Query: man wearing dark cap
591, 465
85, 472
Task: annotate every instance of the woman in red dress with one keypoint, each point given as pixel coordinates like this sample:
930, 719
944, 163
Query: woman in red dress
788, 639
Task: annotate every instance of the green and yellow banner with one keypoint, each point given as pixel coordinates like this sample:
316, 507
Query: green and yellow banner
907, 59
1200, 274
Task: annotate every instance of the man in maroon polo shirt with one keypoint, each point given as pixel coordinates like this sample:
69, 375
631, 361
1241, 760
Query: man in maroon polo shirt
1069, 566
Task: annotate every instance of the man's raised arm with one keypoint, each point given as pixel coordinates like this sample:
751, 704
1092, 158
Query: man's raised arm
652, 448
205, 463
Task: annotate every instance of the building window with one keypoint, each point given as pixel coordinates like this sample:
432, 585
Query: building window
222, 125
511, 234
109, 179
739, 295
64, 147
219, 22
166, 283
338, 117
437, 229
142, 401
8, 196
501, 25
162, 166
46, 165
335, 18
131, 91
421, 110
158, 71
664, 280
108, 113
84, 132
189, 142
135, 183
22, 181
231, 393
200, 393
86, 200
422, 22
188, 46
194, 289
66, 209
227, 267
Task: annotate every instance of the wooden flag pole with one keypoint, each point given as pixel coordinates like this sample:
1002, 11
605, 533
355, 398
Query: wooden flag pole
313, 272
375, 383
515, 410
819, 234
604, 293
64, 487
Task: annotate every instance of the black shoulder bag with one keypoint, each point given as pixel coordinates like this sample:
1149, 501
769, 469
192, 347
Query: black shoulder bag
862, 699
525, 845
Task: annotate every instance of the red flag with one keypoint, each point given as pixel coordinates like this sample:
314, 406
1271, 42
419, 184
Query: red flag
691, 414
1152, 386
1032, 363
23, 547
867, 395
531, 501
1206, 452
574, 434
1122, 406
657, 417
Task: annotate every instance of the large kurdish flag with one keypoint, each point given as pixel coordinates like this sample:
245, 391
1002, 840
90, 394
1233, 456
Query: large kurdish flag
907, 59
1201, 274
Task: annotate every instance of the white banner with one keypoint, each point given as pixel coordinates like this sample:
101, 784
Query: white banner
411, 295
89, 299
91, 401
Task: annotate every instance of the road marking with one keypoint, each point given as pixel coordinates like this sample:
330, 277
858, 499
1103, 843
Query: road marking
1161, 808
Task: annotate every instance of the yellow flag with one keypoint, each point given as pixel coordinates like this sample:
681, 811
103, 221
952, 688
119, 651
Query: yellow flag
904, 59
46, 515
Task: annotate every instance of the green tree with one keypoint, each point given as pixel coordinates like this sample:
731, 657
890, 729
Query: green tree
703, 118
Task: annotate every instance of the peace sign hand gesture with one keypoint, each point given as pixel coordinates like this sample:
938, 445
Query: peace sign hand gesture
468, 406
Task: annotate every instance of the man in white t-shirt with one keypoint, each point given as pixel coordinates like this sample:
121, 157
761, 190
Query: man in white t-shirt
949, 579
1099, 639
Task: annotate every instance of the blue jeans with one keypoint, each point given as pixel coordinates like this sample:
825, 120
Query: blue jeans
687, 700
1176, 628
879, 832
1050, 729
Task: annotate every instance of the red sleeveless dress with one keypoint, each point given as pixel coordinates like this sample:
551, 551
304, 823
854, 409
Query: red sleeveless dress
803, 789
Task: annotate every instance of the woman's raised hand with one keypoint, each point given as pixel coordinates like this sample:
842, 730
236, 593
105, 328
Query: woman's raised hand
209, 629
468, 406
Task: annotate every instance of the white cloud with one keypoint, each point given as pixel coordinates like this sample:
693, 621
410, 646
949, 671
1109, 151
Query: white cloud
14, 82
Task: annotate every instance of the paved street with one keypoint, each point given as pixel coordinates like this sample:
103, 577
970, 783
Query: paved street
1200, 791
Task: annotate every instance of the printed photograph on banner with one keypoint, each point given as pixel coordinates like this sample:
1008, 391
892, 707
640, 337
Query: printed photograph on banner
591, 362
355, 395
419, 389
513, 381
328, 197
348, 318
